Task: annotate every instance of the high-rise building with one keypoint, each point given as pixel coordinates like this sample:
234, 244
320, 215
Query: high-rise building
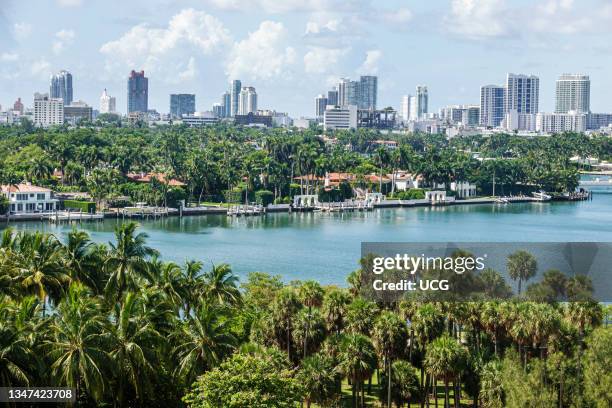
138, 92
320, 105
573, 94
18, 106
422, 102
413, 106
182, 104
77, 111
218, 110
48, 111
522, 94
108, 104
247, 101
61, 87
332, 97
340, 117
491, 105
405, 108
348, 92
235, 90
367, 92
226, 101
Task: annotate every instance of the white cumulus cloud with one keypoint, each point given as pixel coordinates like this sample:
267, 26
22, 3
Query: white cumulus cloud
154, 49
319, 60
370, 65
63, 38
477, 19
40, 68
264, 54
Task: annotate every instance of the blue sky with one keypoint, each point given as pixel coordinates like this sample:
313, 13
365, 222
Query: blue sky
292, 50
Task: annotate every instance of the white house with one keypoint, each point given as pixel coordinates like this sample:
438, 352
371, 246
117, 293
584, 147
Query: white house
28, 199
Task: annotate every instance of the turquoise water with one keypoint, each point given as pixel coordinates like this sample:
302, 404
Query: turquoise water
326, 247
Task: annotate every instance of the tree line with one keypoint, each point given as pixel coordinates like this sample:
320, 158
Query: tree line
124, 328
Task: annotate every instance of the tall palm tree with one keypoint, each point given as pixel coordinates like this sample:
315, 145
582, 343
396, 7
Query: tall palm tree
311, 295
522, 266
446, 358
17, 357
389, 337
202, 341
82, 260
318, 379
76, 348
334, 309
283, 309
190, 284
133, 349
357, 362
221, 286
126, 261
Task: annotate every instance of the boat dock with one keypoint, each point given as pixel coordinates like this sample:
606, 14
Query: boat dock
349, 205
246, 210
72, 216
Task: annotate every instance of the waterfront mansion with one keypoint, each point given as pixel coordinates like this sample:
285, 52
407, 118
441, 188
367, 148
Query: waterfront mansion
25, 198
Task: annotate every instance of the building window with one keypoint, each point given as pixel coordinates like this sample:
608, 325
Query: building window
19, 207
40, 196
30, 207
22, 197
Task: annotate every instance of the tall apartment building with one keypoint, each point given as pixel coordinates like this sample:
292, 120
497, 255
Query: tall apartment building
573, 93
332, 97
422, 102
561, 122
491, 105
348, 92
247, 101
108, 104
235, 88
226, 101
522, 93
368, 92
138, 92
48, 111
405, 108
61, 87
320, 105
182, 104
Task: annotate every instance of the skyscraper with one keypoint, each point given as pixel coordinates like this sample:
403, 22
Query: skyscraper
320, 104
522, 94
247, 101
182, 104
61, 87
218, 110
226, 101
412, 103
235, 89
491, 105
573, 93
367, 92
138, 92
108, 104
18, 106
332, 97
48, 111
422, 100
348, 92
405, 108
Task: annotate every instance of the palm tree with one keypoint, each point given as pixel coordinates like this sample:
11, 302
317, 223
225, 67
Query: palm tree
39, 267
283, 309
491, 390
76, 347
357, 362
334, 309
318, 379
133, 350
389, 337
308, 330
126, 262
405, 383
17, 358
311, 295
190, 284
82, 260
220, 285
446, 358
521, 266
203, 340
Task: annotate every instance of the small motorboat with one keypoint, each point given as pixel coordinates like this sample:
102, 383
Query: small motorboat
541, 196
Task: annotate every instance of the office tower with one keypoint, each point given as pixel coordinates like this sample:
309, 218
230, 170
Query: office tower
422, 100
348, 92
340, 117
332, 97
522, 94
320, 104
61, 87
18, 106
491, 105
235, 89
218, 110
48, 111
368, 90
77, 111
182, 104
413, 104
138, 92
405, 108
247, 101
226, 101
573, 93
108, 104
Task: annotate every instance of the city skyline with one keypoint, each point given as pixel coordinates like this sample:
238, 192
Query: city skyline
293, 51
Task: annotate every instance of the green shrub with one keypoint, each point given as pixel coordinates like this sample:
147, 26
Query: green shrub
264, 197
84, 206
